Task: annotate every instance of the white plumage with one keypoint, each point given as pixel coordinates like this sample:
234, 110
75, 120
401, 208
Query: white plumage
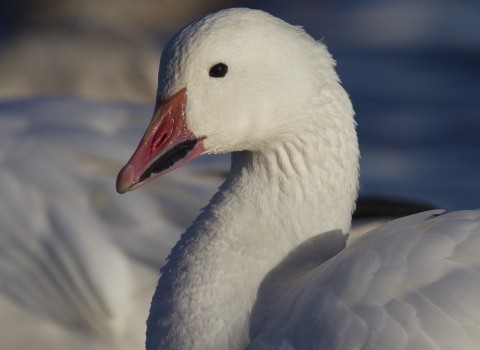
264, 266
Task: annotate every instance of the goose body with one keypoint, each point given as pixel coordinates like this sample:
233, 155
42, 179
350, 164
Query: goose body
268, 263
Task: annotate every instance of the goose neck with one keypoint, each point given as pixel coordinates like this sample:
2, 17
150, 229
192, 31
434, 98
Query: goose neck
270, 203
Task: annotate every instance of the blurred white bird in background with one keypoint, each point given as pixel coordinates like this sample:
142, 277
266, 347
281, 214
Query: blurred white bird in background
78, 266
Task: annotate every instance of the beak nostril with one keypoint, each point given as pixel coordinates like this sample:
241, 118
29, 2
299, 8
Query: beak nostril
160, 141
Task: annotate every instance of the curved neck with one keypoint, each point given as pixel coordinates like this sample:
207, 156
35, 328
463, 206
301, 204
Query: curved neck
271, 203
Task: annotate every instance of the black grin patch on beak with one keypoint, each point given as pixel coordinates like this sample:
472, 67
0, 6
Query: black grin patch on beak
169, 158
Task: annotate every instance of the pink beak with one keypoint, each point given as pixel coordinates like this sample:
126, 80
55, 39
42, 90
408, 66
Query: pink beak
166, 145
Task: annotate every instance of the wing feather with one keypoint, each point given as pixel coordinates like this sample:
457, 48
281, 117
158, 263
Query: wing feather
410, 284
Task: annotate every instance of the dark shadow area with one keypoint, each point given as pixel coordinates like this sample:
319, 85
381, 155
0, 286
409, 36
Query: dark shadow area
388, 207
300, 261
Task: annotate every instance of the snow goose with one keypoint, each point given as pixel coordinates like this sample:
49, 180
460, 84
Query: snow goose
264, 266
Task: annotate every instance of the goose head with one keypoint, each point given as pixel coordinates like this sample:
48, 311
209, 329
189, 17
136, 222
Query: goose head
235, 80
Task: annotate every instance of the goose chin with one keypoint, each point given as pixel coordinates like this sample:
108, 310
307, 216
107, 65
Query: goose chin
166, 145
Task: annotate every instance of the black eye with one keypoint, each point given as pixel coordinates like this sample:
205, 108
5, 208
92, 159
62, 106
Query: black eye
219, 70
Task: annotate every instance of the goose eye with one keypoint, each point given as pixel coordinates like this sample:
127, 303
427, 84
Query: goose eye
219, 70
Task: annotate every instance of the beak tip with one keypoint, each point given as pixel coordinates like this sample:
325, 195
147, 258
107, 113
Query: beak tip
125, 179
